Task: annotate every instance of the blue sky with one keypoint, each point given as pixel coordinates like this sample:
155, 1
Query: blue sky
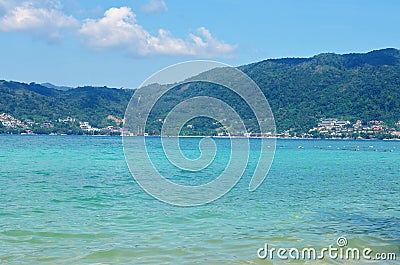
121, 43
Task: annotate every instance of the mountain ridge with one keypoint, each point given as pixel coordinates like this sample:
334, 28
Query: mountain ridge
300, 91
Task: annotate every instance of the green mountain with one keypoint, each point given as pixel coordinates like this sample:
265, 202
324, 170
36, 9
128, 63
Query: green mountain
350, 86
50, 85
39, 103
299, 90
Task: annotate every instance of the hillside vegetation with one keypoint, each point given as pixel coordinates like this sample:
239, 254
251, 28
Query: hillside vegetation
40, 103
300, 92
351, 86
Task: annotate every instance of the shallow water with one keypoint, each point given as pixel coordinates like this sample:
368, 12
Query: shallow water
72, 200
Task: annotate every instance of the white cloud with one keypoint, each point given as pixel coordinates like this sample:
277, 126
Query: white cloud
154, 6
206, 44
119, 29
40, 18
116, 30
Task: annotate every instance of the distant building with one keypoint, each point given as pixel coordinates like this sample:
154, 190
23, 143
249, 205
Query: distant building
358, 124
395, 133
331, 124
85, 126
6, 123
8, 120
342, 123
112, 129
29, 122
375, 122
328, 123
67, 120
47, 124
114, 119
126, 132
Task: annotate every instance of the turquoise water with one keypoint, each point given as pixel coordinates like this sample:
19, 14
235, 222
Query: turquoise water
72, 200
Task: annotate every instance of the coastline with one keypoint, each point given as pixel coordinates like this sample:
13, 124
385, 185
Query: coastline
203, 136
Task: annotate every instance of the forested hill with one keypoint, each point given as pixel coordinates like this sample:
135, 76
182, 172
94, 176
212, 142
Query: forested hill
39, 103
300, 91
350, 86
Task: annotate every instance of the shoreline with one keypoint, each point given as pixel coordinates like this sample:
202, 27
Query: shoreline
203, 136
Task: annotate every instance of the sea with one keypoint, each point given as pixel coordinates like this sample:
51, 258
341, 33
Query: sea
73, 200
